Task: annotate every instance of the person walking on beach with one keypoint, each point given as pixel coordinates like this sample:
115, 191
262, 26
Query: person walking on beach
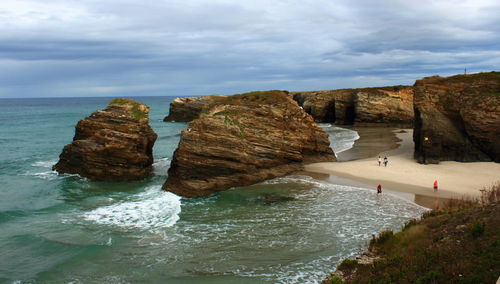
435, 185
379, 161
379, 189
385, 161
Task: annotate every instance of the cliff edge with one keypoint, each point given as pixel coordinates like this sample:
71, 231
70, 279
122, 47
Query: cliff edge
189, 108
457, 118
244, 139
114, 144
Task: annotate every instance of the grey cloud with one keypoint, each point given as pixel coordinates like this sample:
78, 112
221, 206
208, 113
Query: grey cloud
205, 47
61, 49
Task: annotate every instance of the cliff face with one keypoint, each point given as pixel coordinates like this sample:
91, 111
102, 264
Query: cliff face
114, 144
242, 140
457, 118
328, 106
384, 105
187, 109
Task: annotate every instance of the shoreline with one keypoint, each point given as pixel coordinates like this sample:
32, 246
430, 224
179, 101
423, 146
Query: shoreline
403, 176
371, 142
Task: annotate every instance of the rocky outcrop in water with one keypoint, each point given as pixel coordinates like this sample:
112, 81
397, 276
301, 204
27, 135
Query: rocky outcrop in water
187, 109
457, 118
242, 140
367, 106
114, 144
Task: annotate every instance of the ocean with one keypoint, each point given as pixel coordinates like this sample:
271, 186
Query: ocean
68, 229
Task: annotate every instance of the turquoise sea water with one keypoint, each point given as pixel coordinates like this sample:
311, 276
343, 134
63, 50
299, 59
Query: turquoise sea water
67, 229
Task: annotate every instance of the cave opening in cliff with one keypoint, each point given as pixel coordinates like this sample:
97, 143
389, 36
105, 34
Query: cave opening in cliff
330, 114
350, 115
417, 134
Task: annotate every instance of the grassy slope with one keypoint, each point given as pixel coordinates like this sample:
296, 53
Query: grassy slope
255, 98
135, 107
458, 244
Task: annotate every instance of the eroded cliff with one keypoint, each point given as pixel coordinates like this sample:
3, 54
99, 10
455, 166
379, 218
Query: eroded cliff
457, 118
114, 144
242, 140
188, 109
366, 106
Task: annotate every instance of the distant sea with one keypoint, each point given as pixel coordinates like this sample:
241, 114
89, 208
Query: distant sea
67, 229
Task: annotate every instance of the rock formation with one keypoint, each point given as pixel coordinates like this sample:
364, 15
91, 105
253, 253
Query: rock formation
114, 144
327, 106
457, 118
392, 106
187, 109
367, 106
242, 140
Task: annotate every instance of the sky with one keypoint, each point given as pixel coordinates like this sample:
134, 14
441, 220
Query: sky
93, 48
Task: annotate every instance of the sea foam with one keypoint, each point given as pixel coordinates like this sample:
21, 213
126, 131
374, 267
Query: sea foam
44, 164
343, 139
160, 166
151, 209
43, 174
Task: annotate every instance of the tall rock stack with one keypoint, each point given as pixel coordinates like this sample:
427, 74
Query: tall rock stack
245, 139
114, 144
457, 118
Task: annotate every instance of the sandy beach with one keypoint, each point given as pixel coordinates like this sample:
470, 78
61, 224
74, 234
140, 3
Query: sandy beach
403, 174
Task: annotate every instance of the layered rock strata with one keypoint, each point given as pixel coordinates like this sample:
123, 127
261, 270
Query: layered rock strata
457, 118
327, 106
392, 106
242, 140
114, 144
187, 109
367, 106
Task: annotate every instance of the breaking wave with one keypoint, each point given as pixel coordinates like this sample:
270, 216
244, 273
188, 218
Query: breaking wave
341, 139
151, 209
44, 164
160, 166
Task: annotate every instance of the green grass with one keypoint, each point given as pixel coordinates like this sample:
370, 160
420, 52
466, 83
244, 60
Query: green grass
348, 264
477, 230
234, 122
492, 94
256, 98
249, 99
462, 78
135, 109
336, 280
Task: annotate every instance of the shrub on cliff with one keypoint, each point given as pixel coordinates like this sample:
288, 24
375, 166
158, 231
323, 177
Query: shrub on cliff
257, 98
137, 110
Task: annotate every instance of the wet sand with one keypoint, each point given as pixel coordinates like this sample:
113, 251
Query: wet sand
372, 141
403, 176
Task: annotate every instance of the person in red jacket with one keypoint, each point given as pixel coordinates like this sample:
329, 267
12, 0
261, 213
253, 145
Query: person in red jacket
379, 189
435, 185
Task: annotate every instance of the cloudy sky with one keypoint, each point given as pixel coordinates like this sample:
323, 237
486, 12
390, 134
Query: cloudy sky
56, 48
